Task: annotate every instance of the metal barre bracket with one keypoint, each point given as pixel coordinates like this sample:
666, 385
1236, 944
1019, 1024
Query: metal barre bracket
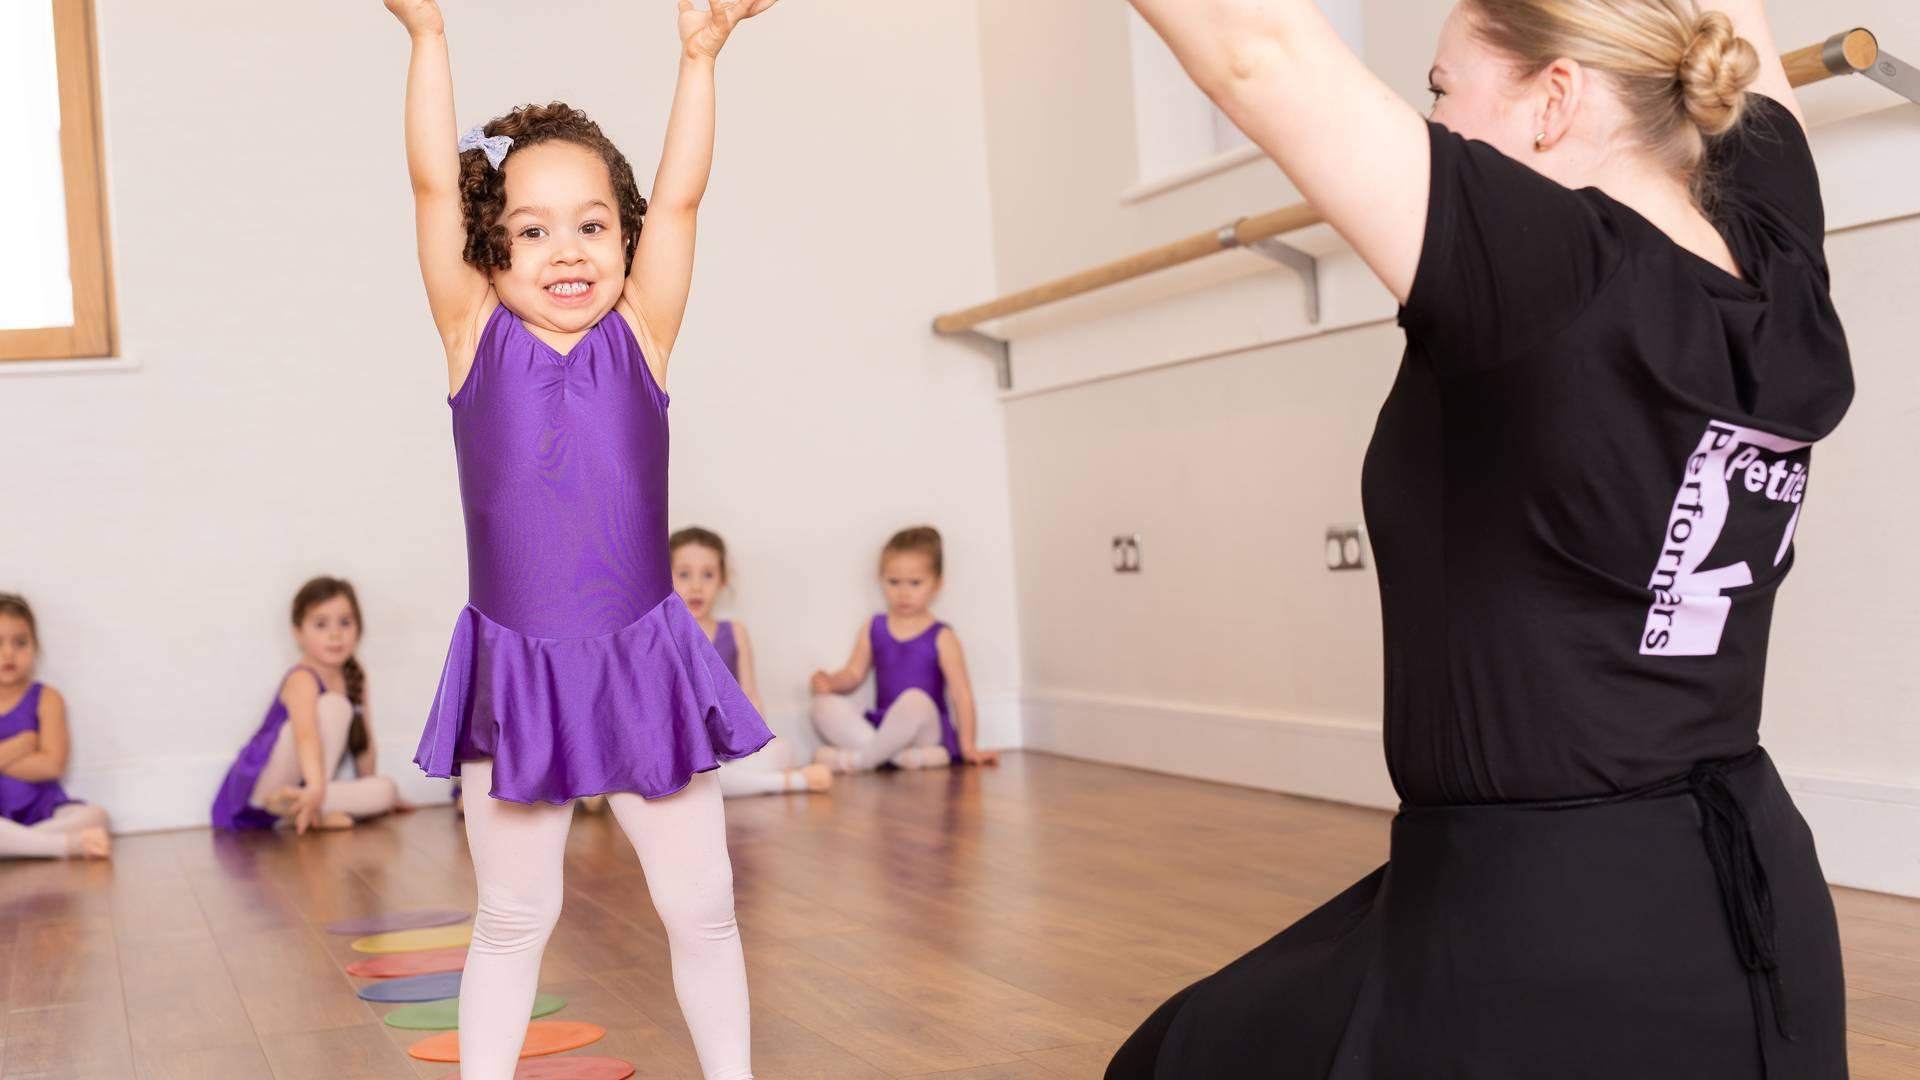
1896, 75
999, 350
1301, 263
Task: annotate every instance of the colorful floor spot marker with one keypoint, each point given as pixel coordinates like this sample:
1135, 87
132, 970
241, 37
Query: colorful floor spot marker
439, 937
543, 1037
444, 1014
569, 1068
436, 987
401, 965
395, 920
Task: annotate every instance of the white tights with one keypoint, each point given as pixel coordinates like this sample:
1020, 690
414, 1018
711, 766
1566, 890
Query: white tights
767, 772
362, 797
518, 851
908, 735
49, 839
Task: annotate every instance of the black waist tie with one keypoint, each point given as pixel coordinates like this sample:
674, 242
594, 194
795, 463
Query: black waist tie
1745, 899
1614, 931
1743, 888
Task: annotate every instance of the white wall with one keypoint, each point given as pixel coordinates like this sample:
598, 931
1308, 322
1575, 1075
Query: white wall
1175, 126
1202, 409
280, 409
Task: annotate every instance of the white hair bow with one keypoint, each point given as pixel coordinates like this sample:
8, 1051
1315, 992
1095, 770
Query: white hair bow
495, 147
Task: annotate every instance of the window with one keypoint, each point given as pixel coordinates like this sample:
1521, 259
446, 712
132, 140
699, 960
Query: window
55, 296
1182, 135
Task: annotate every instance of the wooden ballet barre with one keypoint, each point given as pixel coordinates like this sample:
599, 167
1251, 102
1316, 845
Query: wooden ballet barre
1842, 54
1847, 53
1243, 233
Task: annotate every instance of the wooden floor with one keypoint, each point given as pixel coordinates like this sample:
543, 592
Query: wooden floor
1008, 924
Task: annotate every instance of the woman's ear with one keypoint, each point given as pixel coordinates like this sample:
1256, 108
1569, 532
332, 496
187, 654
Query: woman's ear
1562, 87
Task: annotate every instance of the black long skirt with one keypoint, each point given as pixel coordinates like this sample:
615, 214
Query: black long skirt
1683, 932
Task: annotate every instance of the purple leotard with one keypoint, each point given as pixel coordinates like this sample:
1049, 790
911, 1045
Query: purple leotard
728, 647
230, 809
28, 802
574, 666
914, 664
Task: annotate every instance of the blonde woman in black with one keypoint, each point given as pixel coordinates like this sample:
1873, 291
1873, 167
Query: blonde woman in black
1583, 491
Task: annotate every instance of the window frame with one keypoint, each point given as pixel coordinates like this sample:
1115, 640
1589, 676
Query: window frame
92, 333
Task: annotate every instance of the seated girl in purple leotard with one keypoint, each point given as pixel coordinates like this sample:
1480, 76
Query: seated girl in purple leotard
917, 664
699, 560
37, 819
318, 718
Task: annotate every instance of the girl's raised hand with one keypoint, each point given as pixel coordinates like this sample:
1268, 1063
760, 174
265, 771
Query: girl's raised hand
418, 16
702, 33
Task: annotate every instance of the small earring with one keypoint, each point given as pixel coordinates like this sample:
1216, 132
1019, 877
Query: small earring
1540, 141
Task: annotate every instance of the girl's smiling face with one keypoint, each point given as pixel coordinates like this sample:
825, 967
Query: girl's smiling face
563, 224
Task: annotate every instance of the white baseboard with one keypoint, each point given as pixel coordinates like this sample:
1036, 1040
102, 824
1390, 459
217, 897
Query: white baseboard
168, 793
177, 793
1868, 831
1865, 828
1002, 721
1339, 760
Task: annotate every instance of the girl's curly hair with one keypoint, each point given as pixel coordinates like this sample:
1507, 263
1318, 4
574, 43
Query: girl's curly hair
483, 188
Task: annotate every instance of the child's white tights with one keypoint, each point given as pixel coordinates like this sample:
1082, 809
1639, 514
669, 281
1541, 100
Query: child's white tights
518, 850
361, 797
770, 771
908, 735
52, 838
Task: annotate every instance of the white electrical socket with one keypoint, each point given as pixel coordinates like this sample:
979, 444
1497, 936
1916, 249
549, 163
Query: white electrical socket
1126, 554
1345, 549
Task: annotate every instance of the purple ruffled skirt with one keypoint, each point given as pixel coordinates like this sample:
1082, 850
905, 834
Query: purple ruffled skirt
640, 709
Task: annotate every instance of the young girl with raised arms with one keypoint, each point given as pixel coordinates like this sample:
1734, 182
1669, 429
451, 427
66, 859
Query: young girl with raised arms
574, 669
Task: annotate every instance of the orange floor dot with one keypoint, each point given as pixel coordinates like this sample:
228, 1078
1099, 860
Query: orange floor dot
543, 1037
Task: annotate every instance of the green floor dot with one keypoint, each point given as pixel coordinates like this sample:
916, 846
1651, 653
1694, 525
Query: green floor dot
444, 1015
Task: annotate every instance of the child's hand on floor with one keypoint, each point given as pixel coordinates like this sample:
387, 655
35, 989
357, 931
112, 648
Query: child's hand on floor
306, 810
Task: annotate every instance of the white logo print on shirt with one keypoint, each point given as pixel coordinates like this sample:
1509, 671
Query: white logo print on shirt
1689, 610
